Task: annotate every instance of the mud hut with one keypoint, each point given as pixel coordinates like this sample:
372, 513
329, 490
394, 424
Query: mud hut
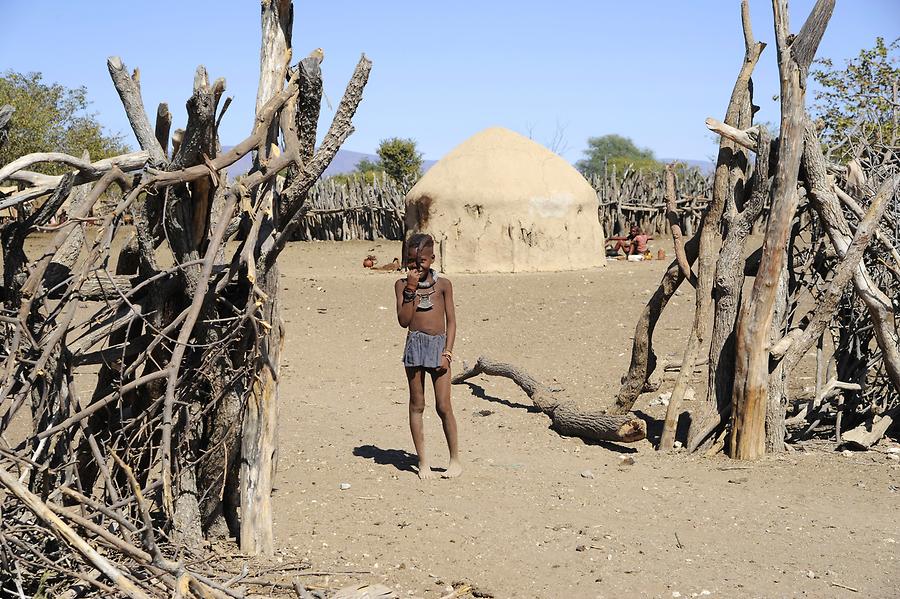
500, 202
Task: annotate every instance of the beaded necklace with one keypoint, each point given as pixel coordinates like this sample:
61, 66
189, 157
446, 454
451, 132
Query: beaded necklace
425, 302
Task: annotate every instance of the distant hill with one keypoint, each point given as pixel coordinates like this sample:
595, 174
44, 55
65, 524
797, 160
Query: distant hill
345, 161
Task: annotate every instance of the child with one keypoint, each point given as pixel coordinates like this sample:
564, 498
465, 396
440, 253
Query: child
425, 307
635, 245
622, 243
638, 250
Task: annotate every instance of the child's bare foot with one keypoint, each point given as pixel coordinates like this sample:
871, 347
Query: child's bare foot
454, 469
425, 472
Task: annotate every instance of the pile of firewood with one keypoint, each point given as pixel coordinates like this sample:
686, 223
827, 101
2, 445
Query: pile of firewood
817, 272
113, 491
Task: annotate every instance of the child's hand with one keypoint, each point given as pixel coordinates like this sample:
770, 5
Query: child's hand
446, 358
413, 278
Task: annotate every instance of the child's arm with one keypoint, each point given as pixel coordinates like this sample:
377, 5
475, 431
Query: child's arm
405, 291
450, 312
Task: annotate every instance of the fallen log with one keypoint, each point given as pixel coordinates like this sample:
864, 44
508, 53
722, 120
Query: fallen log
567, 416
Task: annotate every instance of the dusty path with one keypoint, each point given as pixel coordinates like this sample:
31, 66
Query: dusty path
523, 521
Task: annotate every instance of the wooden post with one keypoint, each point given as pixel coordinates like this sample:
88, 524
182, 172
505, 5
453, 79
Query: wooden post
258, 441
748, 435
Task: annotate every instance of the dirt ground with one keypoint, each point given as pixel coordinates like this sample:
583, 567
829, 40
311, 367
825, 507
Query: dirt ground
536, 514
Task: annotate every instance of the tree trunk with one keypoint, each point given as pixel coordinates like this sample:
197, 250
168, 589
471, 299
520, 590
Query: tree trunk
754, 323
258, 436
258, 446
567, 417
729, 282
643, 359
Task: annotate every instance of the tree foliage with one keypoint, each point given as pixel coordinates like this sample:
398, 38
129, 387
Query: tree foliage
369, 167
367, 170
615, 150
52, 118
400, 159
858, 105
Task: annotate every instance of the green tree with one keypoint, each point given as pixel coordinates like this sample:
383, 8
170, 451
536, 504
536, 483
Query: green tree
400, 159
367, 170
858, 105
615, 150
52, 118
367, 167
369, 176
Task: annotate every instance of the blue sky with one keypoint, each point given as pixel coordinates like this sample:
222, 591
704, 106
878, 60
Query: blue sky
649, 70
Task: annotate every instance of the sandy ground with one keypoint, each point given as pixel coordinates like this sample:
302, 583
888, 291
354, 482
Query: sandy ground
536, 514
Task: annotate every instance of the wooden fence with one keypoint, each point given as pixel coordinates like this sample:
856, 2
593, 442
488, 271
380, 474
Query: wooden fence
638, 197
360, 209
357, 209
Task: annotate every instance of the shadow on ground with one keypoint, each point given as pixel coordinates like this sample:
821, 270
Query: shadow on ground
478, 391
398, 458
655, 427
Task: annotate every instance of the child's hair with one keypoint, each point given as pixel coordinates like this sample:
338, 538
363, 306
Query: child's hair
420, 241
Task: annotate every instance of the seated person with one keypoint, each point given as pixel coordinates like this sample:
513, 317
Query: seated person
635, 244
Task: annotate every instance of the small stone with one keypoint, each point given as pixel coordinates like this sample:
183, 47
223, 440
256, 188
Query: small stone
676, 594
345, 486
847, 453
677, 444
580, 548
662, 400
626, 460
810, 574
704, 592
645, 488
587, 474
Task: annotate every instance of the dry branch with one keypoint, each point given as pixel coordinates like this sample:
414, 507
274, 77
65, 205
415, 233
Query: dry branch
827, 205
567, 417
672, 217
40, 509
130, 94
643, 358
798, 344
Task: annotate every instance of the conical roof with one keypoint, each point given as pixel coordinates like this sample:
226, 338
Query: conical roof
500, 202
497, 165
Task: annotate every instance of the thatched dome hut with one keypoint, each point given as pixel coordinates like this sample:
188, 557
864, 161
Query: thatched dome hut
500, 202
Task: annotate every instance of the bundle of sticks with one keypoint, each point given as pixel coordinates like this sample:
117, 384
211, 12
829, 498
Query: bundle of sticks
140, 356
827, 262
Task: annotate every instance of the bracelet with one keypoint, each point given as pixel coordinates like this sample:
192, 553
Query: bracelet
448, 354
408, 295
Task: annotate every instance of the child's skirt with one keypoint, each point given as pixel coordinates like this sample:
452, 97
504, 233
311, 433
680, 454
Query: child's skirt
423, 350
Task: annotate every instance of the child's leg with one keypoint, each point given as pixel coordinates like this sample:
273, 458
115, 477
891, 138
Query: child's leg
416, 379
441, 381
